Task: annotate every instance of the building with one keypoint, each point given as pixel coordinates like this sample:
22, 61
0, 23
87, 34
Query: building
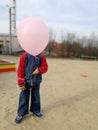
6, 46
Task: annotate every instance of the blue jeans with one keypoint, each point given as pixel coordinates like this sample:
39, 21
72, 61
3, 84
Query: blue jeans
35, 107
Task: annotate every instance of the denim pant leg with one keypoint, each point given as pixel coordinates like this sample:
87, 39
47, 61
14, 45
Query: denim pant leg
23, 102
35, 99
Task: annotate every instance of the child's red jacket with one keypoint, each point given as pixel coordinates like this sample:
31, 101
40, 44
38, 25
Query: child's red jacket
22, 65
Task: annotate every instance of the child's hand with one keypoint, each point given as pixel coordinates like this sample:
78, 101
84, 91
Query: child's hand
22, 88
36, 71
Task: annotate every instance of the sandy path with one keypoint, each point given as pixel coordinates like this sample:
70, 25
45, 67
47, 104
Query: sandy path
69, 101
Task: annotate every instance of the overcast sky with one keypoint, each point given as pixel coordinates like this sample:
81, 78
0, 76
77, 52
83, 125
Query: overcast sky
74, 16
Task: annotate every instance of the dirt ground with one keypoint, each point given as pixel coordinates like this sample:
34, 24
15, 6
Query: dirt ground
69, 101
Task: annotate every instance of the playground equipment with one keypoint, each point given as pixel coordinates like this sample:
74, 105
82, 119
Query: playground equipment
7, 66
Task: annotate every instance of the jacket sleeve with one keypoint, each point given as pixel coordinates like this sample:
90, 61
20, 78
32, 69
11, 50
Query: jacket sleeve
44, 65
21, 70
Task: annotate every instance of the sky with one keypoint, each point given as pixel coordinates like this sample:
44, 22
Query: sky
62, 16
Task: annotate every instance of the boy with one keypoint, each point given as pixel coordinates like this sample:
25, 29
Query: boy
29, 73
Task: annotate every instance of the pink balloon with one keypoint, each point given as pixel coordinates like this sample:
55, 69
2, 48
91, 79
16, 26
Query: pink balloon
33, 35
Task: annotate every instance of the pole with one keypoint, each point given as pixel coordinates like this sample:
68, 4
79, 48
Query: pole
10, 32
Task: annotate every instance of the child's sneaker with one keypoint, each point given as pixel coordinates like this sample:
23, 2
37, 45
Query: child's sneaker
18, 119
38, 114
